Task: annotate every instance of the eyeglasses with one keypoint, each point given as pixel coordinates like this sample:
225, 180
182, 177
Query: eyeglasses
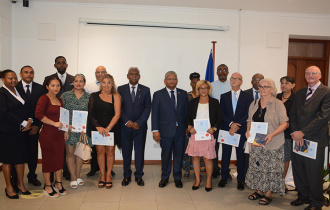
264, 87
235, 78
311, 73
204, 88
222, 70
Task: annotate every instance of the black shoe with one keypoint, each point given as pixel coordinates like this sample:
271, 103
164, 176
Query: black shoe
91, 172
299, 202
222, 183
139, 181
34, 182
67, 175
61, 191
52, 177
24, 193
208, 189
310, 207
163, 183
113, 173
215, 174
11, 197
195, 187
126, 181
14, 184
240, 185
178, 183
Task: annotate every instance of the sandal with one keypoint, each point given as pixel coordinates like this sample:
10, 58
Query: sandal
80, 182
101, 184
53, 194
74, 184
255, 196
108, 185
61, 191
265, 200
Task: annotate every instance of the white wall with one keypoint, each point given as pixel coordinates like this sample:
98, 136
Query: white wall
243, 48
5, 34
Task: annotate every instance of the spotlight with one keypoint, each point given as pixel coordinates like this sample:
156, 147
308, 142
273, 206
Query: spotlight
25, 3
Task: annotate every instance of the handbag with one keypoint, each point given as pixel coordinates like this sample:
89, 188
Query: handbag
83, 150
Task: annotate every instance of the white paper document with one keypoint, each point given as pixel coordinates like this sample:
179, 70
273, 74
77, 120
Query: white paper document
79, 121
308, 149
201, 126
64, 119
257, 127
98, 139
226, 138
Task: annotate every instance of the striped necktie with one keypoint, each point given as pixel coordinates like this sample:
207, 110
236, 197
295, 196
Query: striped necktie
309, 94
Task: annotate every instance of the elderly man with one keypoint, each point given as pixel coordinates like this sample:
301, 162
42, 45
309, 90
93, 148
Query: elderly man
310, 114
168, 121
254, 91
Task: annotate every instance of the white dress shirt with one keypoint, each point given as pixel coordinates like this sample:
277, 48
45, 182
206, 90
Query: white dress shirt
93, 87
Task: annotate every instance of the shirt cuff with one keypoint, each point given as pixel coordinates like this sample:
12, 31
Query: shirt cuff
155, 131
24, 123
230, 123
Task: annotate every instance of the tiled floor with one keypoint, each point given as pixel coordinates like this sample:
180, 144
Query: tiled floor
148, 197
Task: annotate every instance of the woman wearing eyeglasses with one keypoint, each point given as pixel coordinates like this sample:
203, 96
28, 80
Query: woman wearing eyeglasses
266, 167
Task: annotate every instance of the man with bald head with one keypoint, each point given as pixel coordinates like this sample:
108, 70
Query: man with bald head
309, 118
235, 107
254, 91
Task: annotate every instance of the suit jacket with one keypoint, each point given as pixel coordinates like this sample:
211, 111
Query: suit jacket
12, 112
250, 93
138, 111
164, 116
37, 91
312, 118
67, 85
241, 113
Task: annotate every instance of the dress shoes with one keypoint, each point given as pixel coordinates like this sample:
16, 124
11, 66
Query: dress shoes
195, 187
11, 197
126, 181
215, 174
163, 183
299, 202
139, 181
178, 183
310, 207
67, 175
112, 173
240, 185
91, 173
222, 183
34, 182
208, 189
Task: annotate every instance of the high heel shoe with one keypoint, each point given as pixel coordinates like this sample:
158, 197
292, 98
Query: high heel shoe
11, 197
24, 193
195, 187
53, 194
208, 189
61, 191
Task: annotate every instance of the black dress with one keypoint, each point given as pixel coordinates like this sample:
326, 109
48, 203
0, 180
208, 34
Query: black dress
100, 114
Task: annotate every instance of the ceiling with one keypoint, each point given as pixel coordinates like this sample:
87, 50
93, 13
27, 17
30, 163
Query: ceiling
287, 6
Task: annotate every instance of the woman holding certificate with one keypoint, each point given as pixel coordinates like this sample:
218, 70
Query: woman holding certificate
75, 100
266, 167
104, 113
203, 119
51, 138
14, 126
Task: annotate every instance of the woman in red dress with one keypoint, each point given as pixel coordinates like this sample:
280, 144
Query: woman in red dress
51, 138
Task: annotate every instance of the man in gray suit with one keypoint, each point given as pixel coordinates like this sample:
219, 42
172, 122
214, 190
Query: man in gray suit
310, 114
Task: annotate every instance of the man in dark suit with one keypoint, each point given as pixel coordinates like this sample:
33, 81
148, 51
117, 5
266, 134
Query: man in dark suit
254, 91
30, 91
67, 84
135, 111
309, 118
168, 121
235, 107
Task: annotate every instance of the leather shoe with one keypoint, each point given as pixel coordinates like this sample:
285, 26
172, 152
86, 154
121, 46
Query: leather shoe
215, 174
163, 183
178, 183
34, 182
139, 181
126, 181
222, 183
240, 185
91, 173
112, 173
299, 202
310, 207
66, 175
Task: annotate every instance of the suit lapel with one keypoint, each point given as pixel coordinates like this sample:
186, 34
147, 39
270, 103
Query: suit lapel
20, 89
314, 96
168, 98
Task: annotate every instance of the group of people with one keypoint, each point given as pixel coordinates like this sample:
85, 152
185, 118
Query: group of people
26, 107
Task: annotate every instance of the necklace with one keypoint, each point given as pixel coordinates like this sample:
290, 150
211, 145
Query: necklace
284, 97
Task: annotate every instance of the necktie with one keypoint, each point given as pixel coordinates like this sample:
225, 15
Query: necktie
173, 98
62, 79
234, 102
28, 92
256, 95
309, 94
133, 94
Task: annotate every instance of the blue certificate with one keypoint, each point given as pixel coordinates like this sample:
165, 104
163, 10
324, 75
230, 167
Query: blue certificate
257, 127
79, 121
226, 138
98, 139
308, 149
64, 119
201, 126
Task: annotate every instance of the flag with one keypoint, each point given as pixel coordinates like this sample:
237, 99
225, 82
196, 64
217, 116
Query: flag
209, 69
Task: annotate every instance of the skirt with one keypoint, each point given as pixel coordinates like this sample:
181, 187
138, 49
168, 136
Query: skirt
205, 148
187, 163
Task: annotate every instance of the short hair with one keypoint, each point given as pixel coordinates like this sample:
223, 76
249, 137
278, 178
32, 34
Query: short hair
112, 81
223, 65
80, 75
58, 57
200, 82
194, 75
170, 72
272, 84
49, 79
289, 79
133, 68
5, 72
26, 66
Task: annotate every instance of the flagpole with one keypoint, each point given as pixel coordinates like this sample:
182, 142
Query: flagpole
213, 54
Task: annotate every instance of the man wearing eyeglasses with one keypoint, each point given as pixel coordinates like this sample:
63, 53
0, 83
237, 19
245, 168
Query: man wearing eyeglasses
309, 118
235, 107
254, 91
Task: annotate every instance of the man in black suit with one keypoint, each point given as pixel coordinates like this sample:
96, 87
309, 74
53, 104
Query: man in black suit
309, 118
67, 84
168, 122
30, 91
235, 107
135, 111
254, 91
